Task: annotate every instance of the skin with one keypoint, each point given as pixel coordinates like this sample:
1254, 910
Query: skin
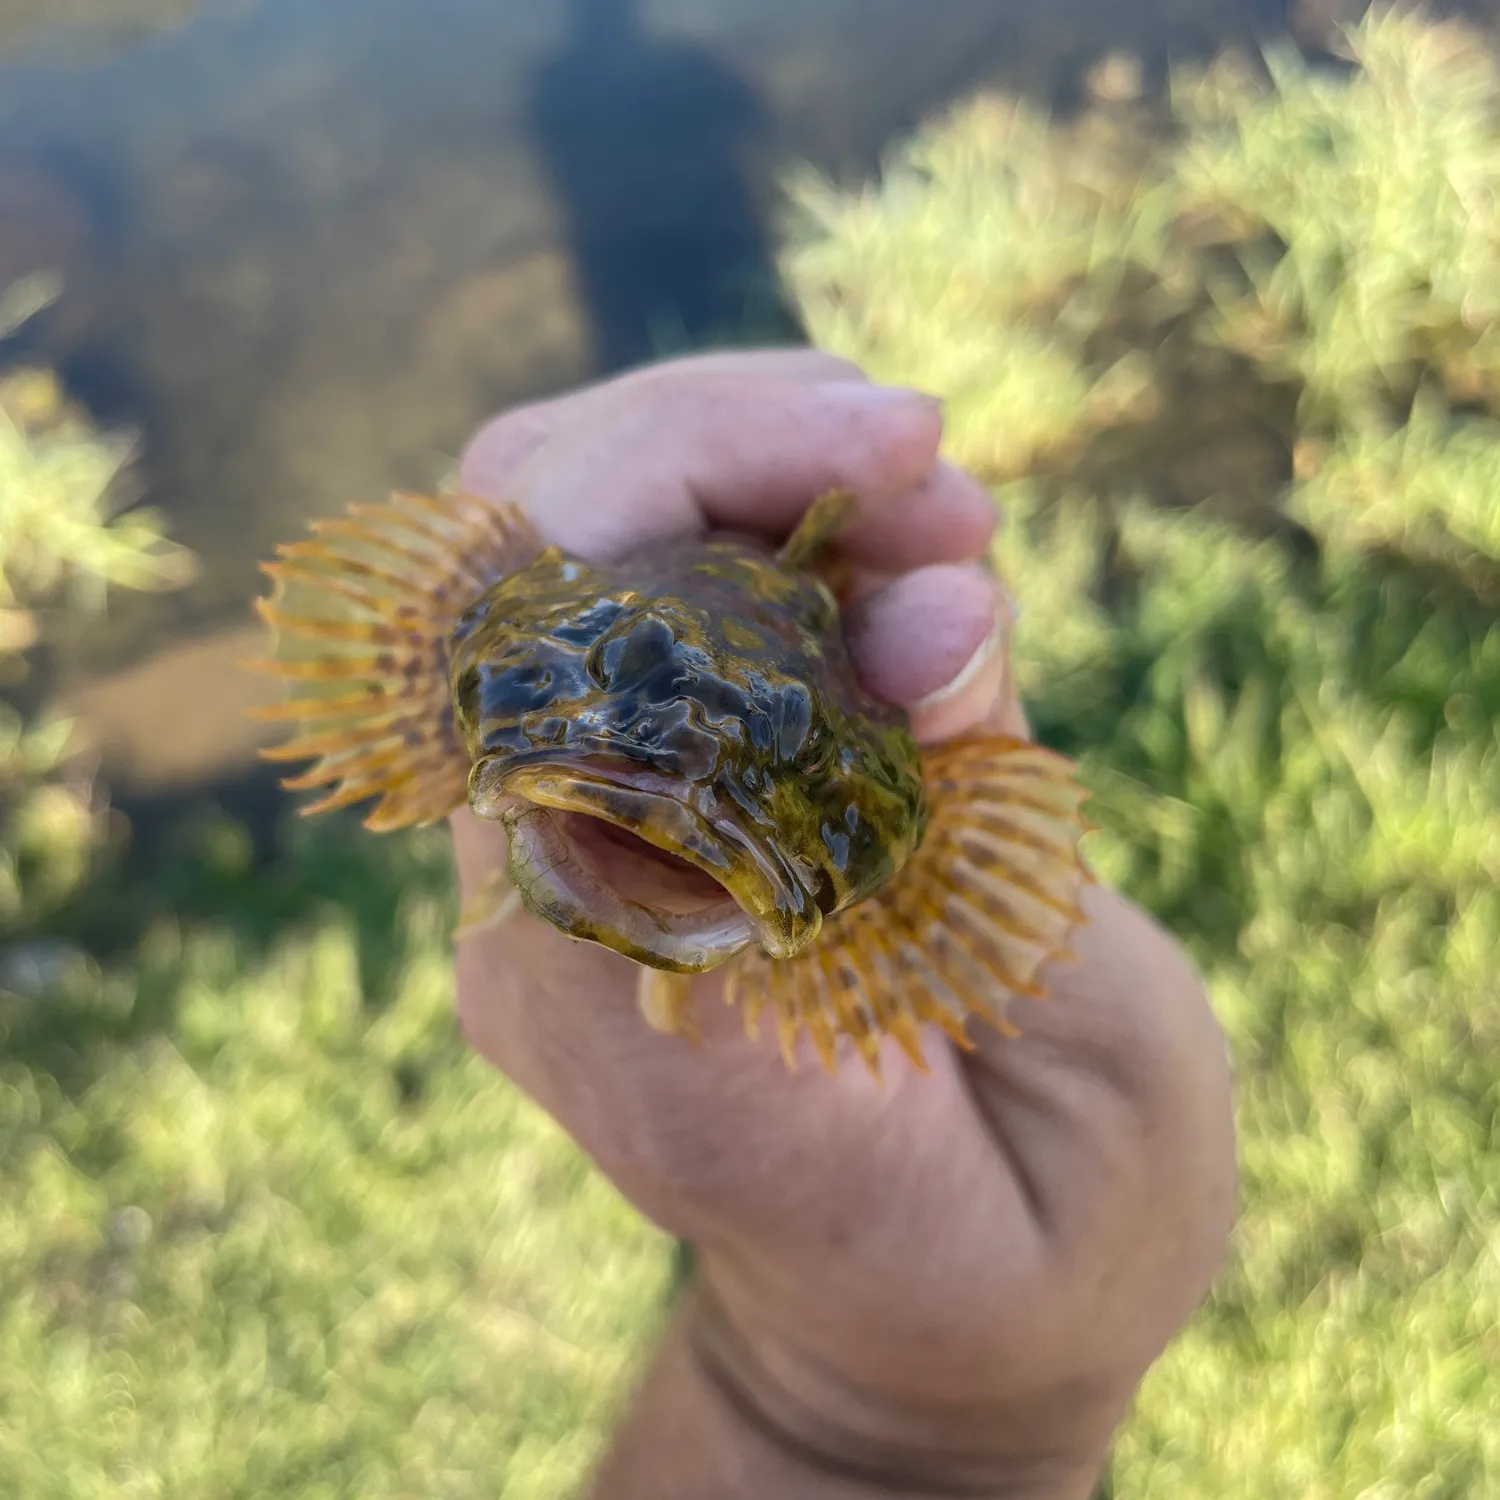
949, 1285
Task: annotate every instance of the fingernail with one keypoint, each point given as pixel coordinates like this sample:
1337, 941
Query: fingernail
983, 655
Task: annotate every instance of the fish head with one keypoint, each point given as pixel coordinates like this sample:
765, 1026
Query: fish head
679, 751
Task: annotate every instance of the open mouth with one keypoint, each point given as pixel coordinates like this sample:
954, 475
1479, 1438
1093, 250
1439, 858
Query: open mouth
616, 854
664, 882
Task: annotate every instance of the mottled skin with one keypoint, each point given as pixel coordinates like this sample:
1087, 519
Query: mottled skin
715, 674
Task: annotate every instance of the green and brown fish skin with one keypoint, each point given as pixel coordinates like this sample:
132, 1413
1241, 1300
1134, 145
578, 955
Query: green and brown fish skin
686, 765
707, 705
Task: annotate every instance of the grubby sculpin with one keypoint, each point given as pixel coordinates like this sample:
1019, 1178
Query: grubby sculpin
686, 766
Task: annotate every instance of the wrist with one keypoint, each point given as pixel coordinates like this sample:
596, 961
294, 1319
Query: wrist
861, 1441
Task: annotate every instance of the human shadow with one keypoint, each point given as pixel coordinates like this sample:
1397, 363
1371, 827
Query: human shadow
650, 149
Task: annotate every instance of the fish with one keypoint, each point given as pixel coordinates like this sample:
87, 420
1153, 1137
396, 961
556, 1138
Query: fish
688, 770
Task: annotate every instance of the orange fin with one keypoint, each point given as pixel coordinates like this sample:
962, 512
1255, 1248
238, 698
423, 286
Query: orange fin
378, 593
492, 903
666, 1001
991, 896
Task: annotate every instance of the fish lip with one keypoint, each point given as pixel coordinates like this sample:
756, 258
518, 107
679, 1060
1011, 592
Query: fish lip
774, 909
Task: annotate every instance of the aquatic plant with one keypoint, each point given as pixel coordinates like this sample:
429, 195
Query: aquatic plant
1258, 601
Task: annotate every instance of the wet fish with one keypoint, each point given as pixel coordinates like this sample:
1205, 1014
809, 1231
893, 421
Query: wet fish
685, 764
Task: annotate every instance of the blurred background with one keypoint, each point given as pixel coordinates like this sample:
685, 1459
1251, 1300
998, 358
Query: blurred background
1211, 289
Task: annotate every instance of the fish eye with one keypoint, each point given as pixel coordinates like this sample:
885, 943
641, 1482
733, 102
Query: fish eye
792, 721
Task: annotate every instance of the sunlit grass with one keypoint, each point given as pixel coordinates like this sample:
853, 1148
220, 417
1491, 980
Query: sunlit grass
267, 1227
1286, 705
292, 1239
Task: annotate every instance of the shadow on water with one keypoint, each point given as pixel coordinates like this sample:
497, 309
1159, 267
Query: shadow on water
311, 246
647, 145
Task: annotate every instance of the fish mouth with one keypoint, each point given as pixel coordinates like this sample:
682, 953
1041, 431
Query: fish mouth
615, 853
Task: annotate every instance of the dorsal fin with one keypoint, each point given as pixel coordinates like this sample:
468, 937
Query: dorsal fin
820, 524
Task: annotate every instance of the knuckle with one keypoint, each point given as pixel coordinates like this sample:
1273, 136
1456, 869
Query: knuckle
501, 445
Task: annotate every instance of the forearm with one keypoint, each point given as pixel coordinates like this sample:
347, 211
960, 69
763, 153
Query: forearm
690, 1435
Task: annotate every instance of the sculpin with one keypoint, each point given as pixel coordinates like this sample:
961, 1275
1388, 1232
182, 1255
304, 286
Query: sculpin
685, 764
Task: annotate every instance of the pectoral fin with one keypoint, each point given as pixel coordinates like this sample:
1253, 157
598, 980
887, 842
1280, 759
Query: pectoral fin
666, 1001
495, 900
382, 589
988, 899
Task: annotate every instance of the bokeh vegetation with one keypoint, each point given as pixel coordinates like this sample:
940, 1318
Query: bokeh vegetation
1235, 377
266, 1227
87, 27
63, 542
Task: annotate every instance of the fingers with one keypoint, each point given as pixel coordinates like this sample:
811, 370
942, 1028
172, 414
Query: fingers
730, 452
751, 452
739, 442
500, 447
936, 642
947, 516
933, 642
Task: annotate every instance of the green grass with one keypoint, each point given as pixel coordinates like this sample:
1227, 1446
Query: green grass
266, 1227
1234, 383
1278, 780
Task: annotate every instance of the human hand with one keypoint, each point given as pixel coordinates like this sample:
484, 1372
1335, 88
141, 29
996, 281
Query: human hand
948, 1283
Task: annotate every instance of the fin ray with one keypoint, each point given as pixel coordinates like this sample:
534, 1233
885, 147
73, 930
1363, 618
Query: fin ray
666, 1001
373, 632
416, 559
321, 710
349, 632
494, 901
319, 669
341, 564
334, 742
361, 598
990, 897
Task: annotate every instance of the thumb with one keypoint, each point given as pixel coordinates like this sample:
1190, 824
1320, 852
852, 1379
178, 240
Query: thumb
936, 642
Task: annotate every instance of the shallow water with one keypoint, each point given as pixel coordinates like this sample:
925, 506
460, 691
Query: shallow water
310, 244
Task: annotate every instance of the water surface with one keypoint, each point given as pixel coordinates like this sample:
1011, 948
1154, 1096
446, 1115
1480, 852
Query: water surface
310, 244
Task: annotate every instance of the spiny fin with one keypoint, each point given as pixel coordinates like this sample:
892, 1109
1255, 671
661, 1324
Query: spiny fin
379, 592
820, 524
991, 895
492, 903
666, 1001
